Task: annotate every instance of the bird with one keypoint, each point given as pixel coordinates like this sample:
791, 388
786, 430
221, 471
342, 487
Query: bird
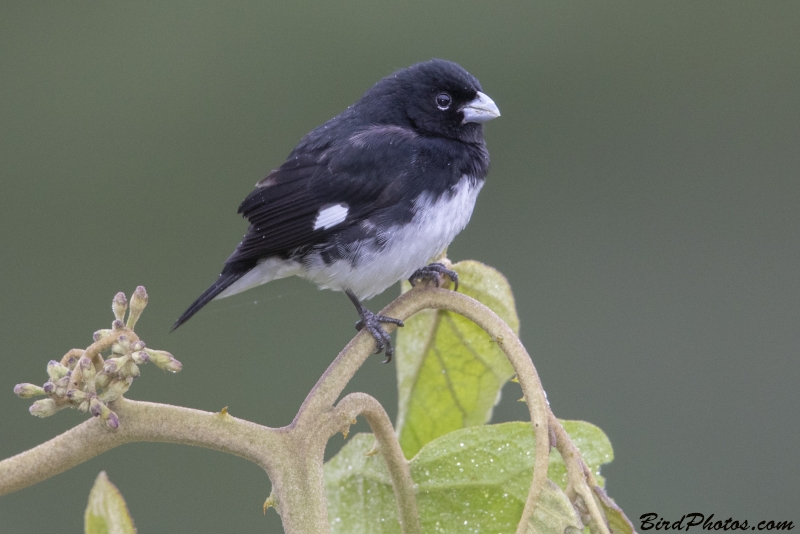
371, 196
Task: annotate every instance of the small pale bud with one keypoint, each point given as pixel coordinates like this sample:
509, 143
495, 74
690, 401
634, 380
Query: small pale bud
119, 305
62, 384
112, 421
102, 379
138, 303
140, 357
99, 409
122, 346
115, 389
49, 387
43, 408
164, 360
132, 370
84, 406
75, 378
158, 357
27, 391
174, 366
139, 345
88, 376
95, 407
55, 370
117, 325
76, 395
111, 365
100, 334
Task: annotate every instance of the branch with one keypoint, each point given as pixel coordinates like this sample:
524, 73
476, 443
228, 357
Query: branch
578, 474
366, 405
140, 421
339, 373
292, 456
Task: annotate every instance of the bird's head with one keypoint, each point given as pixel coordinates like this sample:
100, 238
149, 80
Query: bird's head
435, 97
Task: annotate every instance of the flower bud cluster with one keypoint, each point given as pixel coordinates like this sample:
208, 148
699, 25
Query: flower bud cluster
86, 381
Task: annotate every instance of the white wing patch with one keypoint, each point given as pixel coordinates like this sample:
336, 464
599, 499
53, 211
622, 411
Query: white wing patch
331, 216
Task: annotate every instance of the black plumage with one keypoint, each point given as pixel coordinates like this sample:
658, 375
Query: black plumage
351, 192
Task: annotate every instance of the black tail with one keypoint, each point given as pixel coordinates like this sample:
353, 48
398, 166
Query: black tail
225, 279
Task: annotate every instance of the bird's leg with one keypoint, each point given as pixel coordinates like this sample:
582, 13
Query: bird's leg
433, 273
372, 323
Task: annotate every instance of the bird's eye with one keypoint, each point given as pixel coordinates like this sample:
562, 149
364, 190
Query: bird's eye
443, 100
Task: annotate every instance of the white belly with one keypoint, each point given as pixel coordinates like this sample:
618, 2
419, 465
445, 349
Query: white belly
408, 247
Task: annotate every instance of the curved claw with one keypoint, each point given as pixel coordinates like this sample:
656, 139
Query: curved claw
372, 323
385, 319
434, 272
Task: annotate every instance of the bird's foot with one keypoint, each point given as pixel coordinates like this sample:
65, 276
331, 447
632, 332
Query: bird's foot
372, 322
433, 273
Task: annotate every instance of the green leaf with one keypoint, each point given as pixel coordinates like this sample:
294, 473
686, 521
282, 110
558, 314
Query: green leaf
616, 518
359, 490
472, 480
107, 512
449, 371
477, 480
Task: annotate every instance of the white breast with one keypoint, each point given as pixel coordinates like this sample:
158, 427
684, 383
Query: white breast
408, 247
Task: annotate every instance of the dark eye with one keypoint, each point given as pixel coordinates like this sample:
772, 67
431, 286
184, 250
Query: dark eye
443, 100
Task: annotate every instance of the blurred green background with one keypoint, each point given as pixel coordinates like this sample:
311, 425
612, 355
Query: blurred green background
643, 202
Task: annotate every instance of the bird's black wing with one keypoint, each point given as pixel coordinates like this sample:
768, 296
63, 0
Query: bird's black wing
367, 172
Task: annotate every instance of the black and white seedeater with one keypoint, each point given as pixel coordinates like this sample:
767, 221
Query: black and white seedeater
371, 196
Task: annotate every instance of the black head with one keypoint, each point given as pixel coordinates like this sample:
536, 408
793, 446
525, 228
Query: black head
435, 97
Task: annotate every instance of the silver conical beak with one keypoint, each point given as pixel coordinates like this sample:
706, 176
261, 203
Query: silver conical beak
481, 109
